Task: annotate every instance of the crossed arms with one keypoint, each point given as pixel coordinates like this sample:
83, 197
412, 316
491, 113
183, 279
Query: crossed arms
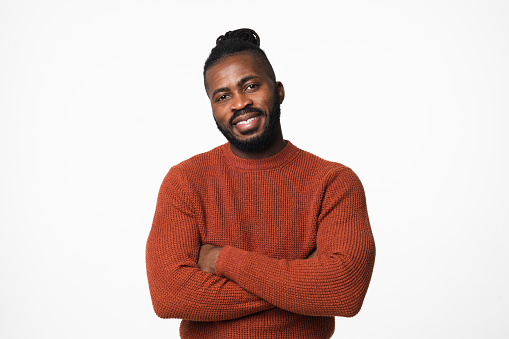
202, 282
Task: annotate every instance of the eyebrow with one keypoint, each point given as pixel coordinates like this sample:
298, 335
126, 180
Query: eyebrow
239, 83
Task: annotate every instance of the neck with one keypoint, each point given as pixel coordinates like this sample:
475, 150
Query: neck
275, 147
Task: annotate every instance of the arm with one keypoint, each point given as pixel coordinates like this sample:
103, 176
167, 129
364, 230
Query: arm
332, 284
179, 289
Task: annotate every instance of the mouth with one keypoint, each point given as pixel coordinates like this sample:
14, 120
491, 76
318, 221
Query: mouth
247, 122
245, 118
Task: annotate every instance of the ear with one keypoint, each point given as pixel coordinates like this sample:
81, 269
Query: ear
280, 91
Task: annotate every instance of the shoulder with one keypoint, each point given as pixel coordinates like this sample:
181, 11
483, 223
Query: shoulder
195, 168
202, 161
328, 174
322, 167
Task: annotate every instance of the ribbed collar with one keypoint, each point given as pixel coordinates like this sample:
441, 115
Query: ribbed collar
287, 154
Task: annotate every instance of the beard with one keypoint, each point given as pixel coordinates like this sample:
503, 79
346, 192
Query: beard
262, 141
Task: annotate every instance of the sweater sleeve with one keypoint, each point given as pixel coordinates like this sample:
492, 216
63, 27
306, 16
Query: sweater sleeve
332, 284
179, 289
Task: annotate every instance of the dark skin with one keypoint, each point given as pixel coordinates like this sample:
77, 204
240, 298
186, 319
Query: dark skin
238, 82
235, 83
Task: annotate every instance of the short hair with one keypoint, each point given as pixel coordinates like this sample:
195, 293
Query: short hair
243, 40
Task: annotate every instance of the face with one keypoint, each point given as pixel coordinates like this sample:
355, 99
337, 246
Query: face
245, 102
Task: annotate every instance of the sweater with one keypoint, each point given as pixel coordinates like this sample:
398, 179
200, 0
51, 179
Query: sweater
269, 215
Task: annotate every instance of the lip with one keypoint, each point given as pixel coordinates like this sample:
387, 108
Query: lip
245, 117
250, 126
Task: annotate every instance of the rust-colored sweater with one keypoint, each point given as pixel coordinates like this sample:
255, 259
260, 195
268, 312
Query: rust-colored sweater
269, 215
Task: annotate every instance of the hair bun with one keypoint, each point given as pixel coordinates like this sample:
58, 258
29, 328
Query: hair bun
244, 34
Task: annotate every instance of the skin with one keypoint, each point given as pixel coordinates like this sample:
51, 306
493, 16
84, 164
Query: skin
234, 84
239, 82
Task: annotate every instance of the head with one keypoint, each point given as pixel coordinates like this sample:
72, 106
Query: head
244, 94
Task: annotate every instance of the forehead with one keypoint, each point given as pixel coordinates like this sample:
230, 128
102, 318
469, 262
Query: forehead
229, 71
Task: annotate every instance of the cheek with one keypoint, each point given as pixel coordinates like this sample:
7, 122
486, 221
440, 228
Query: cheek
268, 100
219, 115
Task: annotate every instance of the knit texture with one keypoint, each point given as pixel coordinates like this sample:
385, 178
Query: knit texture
269, 215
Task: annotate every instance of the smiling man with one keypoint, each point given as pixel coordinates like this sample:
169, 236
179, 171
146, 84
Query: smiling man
257, 238
246, 105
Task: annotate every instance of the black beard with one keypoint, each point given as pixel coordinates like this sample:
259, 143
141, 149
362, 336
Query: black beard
264, 140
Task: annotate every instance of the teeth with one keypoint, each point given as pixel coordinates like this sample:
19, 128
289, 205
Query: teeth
246, 121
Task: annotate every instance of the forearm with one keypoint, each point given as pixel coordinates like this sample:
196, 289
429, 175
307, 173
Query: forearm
329, 285
188, 293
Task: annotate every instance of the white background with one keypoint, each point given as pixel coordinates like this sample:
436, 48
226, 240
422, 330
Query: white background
98, 99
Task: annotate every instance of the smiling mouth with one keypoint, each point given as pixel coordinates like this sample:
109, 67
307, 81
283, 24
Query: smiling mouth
245, 116
245, 122
248, 124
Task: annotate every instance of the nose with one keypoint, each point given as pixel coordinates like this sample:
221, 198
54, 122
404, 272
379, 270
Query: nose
241, 101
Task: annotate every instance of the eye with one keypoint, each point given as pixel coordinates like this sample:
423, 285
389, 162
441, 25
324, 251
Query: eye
251, 86
221, 98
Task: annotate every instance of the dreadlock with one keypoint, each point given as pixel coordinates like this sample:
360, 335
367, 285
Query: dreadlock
243, 40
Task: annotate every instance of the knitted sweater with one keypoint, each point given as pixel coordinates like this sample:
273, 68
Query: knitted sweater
269, 215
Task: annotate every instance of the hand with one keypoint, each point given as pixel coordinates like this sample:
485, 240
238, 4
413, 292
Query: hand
312, 255
207, 258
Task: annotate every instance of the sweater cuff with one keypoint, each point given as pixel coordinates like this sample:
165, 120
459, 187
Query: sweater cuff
229, 262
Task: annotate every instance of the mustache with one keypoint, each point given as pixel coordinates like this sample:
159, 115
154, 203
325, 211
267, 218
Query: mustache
246, 110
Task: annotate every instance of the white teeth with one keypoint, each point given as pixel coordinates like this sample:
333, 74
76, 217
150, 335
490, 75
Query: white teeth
246, 121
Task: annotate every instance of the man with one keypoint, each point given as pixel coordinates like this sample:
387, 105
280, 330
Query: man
257, 238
